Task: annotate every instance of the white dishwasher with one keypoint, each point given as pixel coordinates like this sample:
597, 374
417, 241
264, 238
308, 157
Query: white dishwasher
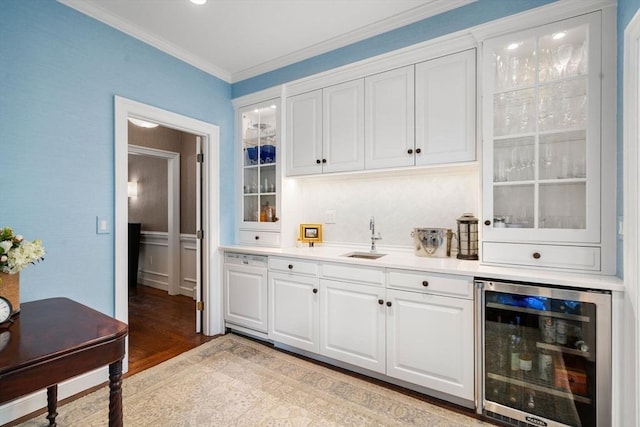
245, 292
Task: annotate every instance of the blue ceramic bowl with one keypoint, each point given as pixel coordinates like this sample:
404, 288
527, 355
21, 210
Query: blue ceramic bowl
252, 153
267, 154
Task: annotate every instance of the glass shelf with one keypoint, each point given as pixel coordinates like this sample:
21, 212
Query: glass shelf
539, 388
260, 184
539, 100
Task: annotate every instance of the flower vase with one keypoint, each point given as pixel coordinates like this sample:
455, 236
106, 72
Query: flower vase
10, 289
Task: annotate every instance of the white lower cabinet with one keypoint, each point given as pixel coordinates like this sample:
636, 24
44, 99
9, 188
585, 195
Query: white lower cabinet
430, 341
352, 324
245, 291
421, 333
293, 310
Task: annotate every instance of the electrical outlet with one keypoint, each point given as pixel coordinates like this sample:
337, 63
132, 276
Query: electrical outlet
330, 216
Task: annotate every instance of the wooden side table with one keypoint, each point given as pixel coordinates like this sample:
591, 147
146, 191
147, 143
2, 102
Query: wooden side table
55, 339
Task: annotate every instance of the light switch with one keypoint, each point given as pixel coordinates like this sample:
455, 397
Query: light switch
102, 225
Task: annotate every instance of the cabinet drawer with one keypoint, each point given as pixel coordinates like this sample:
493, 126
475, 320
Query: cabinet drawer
259, 238
292, 265
442, 284
546, 256
350, 273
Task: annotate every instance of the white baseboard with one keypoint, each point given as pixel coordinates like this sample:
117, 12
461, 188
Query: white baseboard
25, 405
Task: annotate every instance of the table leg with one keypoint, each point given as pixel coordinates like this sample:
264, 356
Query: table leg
115, 394
52, 405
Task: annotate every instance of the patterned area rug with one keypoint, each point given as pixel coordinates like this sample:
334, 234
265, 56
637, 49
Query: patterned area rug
233, 381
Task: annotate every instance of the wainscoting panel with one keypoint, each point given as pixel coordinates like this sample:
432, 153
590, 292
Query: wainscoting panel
188, 264
153, 262
154, 259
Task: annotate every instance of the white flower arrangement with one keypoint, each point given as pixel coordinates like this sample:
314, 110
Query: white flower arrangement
17, 253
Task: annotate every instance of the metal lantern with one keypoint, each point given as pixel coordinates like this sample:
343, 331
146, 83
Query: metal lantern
467, 237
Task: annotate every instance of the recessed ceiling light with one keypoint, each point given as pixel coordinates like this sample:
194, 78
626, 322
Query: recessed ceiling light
198, 2
513, 46
273, 106
142, 123
558, 36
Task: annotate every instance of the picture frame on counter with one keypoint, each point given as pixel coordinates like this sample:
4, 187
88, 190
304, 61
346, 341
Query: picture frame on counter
310, 233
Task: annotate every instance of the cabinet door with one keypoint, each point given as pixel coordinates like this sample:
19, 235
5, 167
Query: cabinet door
343, 127
293, 311
259, 183
352, 324
446, 109
542, 133
430, 342
304, 133
245, 296
389, 119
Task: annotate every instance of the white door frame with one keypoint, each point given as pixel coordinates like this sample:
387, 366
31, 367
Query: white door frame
173, 211
631, 211
211, 288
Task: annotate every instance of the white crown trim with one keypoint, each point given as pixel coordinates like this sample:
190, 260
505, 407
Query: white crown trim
432, 8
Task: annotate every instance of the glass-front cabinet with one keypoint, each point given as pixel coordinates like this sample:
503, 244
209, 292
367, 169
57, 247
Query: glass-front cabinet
259, 172
542, 134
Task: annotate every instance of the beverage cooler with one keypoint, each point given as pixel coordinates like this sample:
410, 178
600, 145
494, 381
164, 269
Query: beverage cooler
545, 355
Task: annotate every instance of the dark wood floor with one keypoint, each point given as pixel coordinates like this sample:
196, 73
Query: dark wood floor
161, 326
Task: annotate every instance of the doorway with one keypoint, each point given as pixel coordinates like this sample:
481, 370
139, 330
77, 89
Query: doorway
210, 302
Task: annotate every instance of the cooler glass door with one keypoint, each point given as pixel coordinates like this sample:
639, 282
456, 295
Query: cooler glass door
546, 355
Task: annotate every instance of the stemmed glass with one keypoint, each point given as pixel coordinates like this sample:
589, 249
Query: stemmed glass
562, 58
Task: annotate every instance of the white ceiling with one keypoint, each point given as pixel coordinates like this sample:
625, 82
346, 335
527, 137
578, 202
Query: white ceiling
238, 39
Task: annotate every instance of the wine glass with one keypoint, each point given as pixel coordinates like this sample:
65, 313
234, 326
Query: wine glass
563, 56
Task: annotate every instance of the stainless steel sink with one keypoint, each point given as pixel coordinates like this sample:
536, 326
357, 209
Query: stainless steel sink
364, 255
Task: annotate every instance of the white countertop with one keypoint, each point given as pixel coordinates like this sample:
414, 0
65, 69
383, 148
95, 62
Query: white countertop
407, 260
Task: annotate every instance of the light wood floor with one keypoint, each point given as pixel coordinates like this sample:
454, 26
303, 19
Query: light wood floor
161, 326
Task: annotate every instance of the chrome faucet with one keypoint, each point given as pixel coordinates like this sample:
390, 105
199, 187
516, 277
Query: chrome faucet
374, 237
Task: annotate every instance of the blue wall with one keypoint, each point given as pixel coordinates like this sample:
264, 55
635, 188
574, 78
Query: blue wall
470, 15
59, 72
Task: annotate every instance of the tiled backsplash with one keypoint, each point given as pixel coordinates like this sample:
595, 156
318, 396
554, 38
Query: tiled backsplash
399, 201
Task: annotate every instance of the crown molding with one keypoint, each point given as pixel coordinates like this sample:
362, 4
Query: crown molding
556, 11
130, 29
433, 8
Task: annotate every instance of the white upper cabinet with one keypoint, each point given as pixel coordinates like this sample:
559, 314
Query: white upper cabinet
544, 154
326, 130
416, 115
259, 173
343, 127
304, 133
389, 119
446, 109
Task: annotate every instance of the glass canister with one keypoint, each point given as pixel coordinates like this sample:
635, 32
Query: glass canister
467, 237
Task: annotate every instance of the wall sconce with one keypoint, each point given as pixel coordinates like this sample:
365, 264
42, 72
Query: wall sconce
132, 189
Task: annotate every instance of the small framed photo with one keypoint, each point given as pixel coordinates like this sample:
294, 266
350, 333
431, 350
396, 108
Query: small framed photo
311, 233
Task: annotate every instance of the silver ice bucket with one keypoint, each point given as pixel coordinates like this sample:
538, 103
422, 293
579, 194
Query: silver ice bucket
432, 242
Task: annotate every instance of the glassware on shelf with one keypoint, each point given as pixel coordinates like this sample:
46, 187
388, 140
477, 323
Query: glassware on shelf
562, 105
563, 54
514, 159
562, 205
563, 155
515, 203
259, 145
540, 108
